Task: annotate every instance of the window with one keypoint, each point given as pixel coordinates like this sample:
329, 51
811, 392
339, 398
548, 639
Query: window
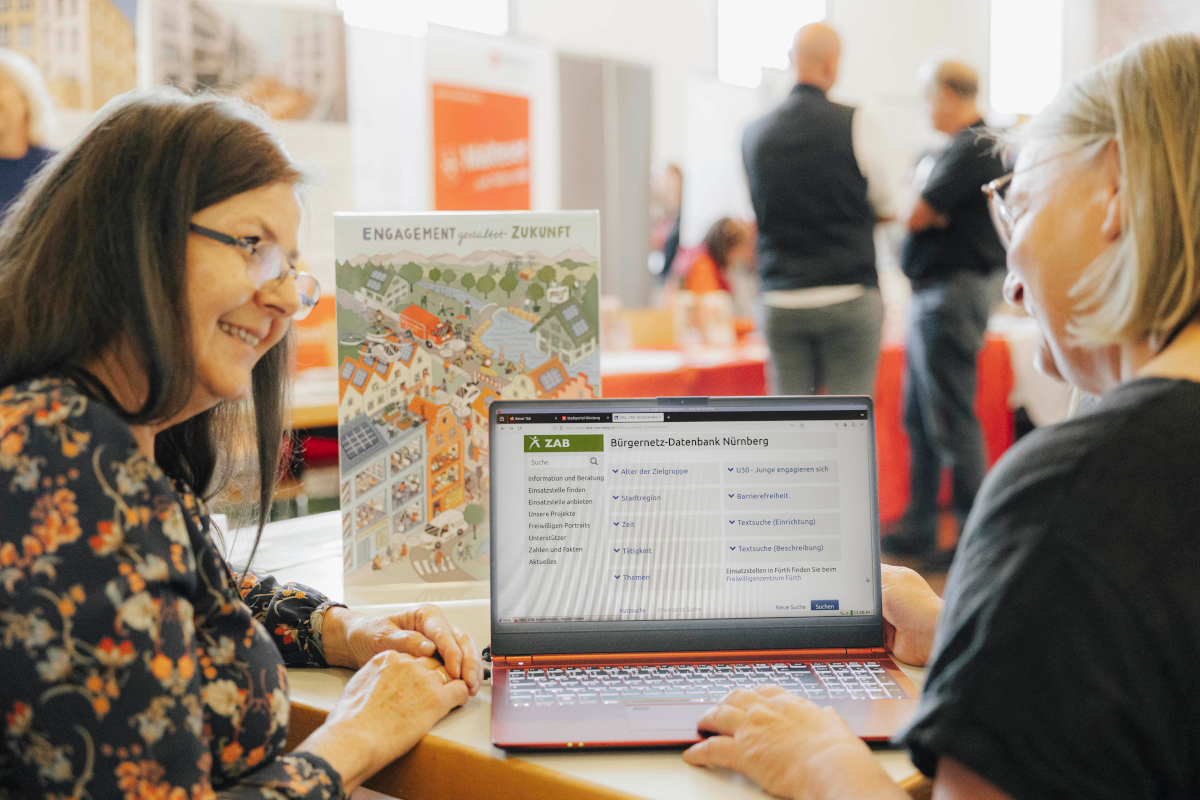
4, 36
412, 17
752, 34
5, 5
60, 41
1027, 54
25, 35
24, 5
75, 41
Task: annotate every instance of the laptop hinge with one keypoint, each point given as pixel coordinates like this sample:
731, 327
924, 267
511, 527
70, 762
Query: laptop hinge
683, 657
512, 661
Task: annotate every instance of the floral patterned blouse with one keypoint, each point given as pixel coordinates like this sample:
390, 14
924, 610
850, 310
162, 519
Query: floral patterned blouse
132, 666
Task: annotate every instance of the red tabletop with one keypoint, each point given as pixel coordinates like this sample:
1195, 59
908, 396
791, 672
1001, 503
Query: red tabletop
743, 372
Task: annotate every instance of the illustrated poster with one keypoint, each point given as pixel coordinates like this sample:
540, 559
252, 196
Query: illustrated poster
438, 316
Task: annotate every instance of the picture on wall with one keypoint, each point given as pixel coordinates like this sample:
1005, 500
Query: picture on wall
84, 48
438, 316
289, 61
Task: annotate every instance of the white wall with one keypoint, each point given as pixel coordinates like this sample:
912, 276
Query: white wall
675, 38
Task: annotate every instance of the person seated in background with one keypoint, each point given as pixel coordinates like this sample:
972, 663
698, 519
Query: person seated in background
26, 121
728, 244
149, 282
1063, 663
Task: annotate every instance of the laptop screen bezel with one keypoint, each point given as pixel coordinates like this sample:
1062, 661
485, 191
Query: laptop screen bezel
646, 636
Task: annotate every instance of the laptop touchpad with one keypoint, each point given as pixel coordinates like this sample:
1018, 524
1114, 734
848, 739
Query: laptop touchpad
666, 716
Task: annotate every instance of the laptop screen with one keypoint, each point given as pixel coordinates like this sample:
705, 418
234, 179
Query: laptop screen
614, 512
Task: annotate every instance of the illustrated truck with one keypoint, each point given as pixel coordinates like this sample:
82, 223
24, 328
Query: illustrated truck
425, 326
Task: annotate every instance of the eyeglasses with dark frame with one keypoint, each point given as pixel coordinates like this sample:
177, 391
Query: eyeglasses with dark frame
265, 263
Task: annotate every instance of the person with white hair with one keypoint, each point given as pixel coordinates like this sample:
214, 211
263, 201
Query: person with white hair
26, 122
1062, 662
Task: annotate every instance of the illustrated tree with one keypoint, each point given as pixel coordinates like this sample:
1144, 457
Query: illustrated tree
570, 281
467, 281
448, 276
435, 274
509, 284
486, 285
535, 292
412, 273
473, 515
547, 274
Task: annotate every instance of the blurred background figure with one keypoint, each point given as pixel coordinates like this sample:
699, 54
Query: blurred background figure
728, 245
955, 262
666, 198
818, 184
26, 122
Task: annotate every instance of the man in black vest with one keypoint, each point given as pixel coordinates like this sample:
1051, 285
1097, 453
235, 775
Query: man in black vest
955, 262
818, 182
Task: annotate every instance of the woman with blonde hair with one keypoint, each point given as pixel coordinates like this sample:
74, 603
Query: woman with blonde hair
1063, 663
27, 122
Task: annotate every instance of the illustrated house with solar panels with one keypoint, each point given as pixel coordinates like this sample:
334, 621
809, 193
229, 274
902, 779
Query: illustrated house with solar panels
549, 378
383, 470
363, 386
383, 289
569, 331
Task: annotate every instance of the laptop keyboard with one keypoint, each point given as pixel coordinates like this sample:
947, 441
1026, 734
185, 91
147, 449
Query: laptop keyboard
698, 683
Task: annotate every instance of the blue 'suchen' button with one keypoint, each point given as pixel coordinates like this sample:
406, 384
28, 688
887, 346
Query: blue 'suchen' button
824, 605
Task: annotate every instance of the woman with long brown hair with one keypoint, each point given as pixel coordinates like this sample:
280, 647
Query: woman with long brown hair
148, 282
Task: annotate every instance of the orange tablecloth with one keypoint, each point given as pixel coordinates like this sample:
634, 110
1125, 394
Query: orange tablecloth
747, 376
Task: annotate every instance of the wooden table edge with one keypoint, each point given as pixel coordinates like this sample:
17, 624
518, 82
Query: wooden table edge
438, 768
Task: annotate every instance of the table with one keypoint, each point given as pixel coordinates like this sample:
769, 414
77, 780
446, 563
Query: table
457, 759
742, 371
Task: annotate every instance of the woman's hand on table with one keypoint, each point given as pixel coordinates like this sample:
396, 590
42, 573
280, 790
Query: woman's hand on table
910, 614
790, 747
386, 708
351, 639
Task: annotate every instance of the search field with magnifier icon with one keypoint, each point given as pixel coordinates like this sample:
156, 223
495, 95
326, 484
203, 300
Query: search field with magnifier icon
564, 461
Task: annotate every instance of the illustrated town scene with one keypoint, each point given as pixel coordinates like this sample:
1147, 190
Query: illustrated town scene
426, 343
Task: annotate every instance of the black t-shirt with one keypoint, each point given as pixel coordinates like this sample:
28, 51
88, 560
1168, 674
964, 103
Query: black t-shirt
1067, 655
954, 189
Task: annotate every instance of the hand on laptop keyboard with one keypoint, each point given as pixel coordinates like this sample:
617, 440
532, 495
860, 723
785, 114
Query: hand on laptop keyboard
790, 747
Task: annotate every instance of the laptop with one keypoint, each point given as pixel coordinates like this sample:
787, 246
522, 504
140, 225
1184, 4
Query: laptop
649, 556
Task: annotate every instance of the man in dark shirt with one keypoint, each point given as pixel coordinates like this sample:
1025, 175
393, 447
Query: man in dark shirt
955, 262
818, 183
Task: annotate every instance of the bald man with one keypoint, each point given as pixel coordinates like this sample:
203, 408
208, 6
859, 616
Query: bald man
819, 183
955, 262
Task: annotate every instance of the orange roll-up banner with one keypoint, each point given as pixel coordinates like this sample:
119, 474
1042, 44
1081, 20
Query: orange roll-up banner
480, 150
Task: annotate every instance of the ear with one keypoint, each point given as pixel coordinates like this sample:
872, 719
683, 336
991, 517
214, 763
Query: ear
1110, 161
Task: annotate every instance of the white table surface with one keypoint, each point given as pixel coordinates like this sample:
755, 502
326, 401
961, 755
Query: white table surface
308, 550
